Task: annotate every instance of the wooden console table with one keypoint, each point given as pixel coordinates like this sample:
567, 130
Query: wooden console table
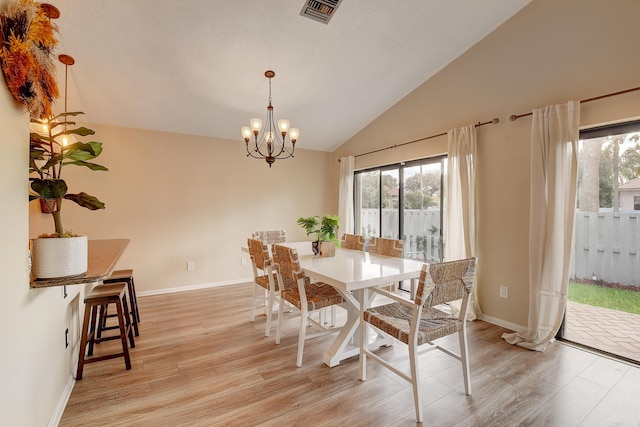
103, 255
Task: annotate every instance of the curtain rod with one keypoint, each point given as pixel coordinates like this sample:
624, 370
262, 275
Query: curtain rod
515, 117
494, 121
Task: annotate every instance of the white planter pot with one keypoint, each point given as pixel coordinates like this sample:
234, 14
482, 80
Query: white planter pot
59, 257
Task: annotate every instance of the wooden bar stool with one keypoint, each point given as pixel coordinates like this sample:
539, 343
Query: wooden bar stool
125, 276
103, 295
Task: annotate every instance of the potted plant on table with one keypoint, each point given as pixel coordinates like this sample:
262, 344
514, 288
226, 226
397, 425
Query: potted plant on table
62, 253
325, 229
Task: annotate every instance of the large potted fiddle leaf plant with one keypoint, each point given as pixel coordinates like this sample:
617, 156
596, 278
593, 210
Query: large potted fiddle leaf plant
61, 253
326, 230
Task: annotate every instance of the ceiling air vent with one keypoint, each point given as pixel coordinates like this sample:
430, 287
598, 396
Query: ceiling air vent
320, 10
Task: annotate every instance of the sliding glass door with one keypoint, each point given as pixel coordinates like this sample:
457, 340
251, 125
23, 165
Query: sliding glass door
403, 201
422, 213
603, 307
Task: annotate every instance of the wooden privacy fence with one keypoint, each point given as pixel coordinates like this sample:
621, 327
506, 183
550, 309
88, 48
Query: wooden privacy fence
606, 247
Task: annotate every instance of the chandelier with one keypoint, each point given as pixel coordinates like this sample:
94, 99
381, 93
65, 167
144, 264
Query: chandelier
271, 144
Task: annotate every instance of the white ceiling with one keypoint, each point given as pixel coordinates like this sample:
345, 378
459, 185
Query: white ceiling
197, 66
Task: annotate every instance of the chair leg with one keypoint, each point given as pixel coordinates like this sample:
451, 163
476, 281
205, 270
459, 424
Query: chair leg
280, 314
92, 329
415, 380
270, 302
123, 335
135, 299
253, 303
128, 322
302, 334
83, 342
464, 358
133, 304
102, 324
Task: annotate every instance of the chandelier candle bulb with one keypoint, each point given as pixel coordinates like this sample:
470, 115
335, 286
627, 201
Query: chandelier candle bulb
256, 125
283, 125
246, 133
294, 134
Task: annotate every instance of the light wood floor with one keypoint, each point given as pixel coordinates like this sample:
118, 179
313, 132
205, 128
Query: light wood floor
199, 361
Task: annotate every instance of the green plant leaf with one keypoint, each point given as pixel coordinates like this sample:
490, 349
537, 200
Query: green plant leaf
35, 154
82, 131
69, 113
92, 147
328, 228
92, 166
53, 161
85, 200
49, 188
35, 139
310, 224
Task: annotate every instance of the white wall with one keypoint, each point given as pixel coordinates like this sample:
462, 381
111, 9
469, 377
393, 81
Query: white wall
627, 198
34, 364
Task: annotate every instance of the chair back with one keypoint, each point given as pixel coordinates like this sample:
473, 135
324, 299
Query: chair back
387, 247
445, 282
352, 241
271, 236
288, 265
259, 253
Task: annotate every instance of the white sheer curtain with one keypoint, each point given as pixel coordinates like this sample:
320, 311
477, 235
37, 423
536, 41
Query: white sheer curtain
345, 201
554, 160
460, 226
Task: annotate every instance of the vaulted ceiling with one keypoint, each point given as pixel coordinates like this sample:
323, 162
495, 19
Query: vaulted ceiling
197, 66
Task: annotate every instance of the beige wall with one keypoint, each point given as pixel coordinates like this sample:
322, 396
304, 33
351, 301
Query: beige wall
551, 52
186, 198
35, 367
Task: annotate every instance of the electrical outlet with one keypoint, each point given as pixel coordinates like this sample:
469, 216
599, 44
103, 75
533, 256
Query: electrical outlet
191, 265
504, 292
243, 261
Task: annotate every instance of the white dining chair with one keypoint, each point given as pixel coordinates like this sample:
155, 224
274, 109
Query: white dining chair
386, 247
265, 281
270, 236
352, 241
300, 292
420, 322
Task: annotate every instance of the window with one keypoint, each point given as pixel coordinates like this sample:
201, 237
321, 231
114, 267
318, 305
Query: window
636, 203
403, 201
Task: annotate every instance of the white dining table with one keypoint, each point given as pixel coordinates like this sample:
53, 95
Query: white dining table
351, 272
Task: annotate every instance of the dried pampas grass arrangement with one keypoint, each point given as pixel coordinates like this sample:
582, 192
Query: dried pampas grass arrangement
27, 41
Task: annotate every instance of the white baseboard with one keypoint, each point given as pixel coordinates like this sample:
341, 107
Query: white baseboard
194, 287
62, 403
503, 323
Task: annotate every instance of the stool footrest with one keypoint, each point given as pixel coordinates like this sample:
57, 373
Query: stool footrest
106, 357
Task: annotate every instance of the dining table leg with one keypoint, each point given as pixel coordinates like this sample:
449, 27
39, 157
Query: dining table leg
347, 343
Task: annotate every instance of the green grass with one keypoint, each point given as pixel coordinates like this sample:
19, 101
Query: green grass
602, 296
